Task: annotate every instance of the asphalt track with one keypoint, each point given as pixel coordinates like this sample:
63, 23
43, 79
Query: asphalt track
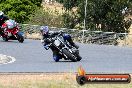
32, 57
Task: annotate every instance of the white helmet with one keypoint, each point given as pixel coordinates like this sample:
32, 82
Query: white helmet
1, 13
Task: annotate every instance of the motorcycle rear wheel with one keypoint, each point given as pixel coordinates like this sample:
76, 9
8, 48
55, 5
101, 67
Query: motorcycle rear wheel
5, 39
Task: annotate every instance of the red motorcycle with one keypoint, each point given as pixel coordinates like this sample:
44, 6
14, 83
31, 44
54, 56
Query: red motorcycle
10, 31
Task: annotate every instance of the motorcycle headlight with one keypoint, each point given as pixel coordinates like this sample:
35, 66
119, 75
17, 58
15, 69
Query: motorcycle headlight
57, 42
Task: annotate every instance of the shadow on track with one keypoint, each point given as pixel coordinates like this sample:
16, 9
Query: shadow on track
62, 61
12, 41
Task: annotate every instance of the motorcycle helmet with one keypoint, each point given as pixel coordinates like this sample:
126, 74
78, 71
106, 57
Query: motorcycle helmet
1, 13
44, 29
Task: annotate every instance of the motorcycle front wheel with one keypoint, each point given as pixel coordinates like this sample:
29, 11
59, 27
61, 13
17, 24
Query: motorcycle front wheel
69, 55
79, 58
20, 37
78, 55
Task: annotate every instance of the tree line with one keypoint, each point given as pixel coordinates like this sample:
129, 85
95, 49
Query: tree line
19, 9
104, 15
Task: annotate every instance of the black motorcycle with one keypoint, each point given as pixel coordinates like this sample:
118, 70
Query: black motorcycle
64, 48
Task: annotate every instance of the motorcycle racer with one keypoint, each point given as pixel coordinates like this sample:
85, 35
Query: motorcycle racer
46, 40
10, 31
3, 18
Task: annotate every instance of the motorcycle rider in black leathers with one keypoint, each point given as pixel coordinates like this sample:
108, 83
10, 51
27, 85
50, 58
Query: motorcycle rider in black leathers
3, 18
46, 40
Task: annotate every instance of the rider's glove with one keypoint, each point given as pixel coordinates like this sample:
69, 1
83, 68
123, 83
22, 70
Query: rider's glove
42, 41
46, 47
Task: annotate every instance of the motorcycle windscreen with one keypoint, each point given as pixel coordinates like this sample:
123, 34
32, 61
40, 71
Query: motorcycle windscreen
10, 24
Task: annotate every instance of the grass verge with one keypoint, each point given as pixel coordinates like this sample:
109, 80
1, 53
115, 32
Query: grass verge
49, 80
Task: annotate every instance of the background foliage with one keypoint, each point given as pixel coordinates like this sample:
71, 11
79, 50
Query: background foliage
107, 13
46, 17
104, 15
19, 9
